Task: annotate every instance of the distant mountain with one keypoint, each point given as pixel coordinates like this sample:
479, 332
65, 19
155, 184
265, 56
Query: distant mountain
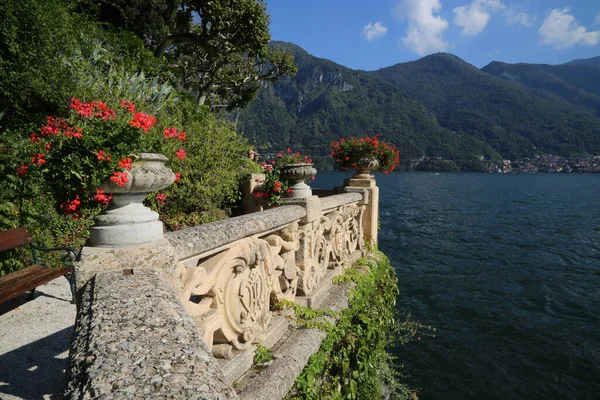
326, 101
438, 106
578, 81
514, 120
594, 61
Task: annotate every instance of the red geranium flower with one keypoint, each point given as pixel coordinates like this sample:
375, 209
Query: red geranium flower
180, 154
125, 163
119, 178
102, 198
22, 171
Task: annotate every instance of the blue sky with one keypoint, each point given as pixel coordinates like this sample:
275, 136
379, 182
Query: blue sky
371, 34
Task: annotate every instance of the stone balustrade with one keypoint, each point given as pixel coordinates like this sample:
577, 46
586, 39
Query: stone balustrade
181, 317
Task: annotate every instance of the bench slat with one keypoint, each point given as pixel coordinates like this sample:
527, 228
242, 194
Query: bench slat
13, 277
15, 238
30, 282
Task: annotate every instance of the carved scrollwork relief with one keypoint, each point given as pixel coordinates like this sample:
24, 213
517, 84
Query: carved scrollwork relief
327, 243
229, 295
313, 255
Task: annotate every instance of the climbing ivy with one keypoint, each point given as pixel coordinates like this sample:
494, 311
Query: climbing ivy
353, 361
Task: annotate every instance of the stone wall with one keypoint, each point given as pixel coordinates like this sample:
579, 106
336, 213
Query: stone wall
181, 318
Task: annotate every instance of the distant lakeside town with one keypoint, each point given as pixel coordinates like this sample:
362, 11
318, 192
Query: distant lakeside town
551, 164
545, 163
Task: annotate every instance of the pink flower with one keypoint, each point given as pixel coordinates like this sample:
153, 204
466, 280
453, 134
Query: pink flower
180, 154
177, 176
161, 197
119, 178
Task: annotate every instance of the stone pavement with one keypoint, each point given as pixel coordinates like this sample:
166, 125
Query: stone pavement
34, 343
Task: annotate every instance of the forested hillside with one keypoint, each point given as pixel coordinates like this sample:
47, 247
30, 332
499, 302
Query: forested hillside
577, 82
438, 106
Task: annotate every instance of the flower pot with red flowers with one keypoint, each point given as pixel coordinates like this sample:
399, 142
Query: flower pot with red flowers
107, 153
286, 177
364, 155
127, 221
296, 175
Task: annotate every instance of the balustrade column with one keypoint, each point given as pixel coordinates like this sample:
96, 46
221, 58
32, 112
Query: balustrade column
368, 186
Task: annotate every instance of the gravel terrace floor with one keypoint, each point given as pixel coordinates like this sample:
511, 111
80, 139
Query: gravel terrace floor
35, 336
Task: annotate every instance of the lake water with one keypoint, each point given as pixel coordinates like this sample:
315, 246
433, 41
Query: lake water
506, 267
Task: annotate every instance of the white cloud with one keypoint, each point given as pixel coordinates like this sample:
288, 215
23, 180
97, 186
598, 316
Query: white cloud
561, 30
473, 18
597, 21
425, 30
374, 31
514, 17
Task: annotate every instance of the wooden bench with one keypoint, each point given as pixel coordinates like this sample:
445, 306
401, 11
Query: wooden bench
29, 278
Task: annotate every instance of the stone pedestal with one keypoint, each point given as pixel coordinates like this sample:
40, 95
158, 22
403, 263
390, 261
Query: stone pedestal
312, 205
296, 175
250, 203
127, 222
159, 256
362, 183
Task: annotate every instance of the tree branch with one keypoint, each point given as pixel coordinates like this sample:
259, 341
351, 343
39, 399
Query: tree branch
178, 38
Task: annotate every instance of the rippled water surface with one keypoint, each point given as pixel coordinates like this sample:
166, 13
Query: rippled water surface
507, 268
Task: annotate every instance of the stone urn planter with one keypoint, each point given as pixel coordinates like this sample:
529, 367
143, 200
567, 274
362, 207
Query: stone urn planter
296, 175
126, 221
365, 163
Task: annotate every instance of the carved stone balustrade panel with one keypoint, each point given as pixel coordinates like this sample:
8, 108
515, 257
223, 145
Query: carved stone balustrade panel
229, 294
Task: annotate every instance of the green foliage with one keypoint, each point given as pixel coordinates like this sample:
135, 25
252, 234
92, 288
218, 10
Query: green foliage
37, 38
219, 48
262, 355
49, 54
577, 83
353, 359
216, 161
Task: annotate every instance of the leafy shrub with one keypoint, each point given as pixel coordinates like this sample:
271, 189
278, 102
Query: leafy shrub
353, 359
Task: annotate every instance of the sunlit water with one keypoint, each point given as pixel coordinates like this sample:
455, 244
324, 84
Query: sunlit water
507, 269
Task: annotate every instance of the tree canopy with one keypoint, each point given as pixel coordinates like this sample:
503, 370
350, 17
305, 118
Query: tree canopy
219, 46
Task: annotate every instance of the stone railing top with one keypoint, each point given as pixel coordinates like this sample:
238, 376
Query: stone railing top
134, 340
204, 238
331, 202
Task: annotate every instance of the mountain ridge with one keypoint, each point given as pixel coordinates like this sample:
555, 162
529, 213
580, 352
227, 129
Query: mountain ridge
438, 106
